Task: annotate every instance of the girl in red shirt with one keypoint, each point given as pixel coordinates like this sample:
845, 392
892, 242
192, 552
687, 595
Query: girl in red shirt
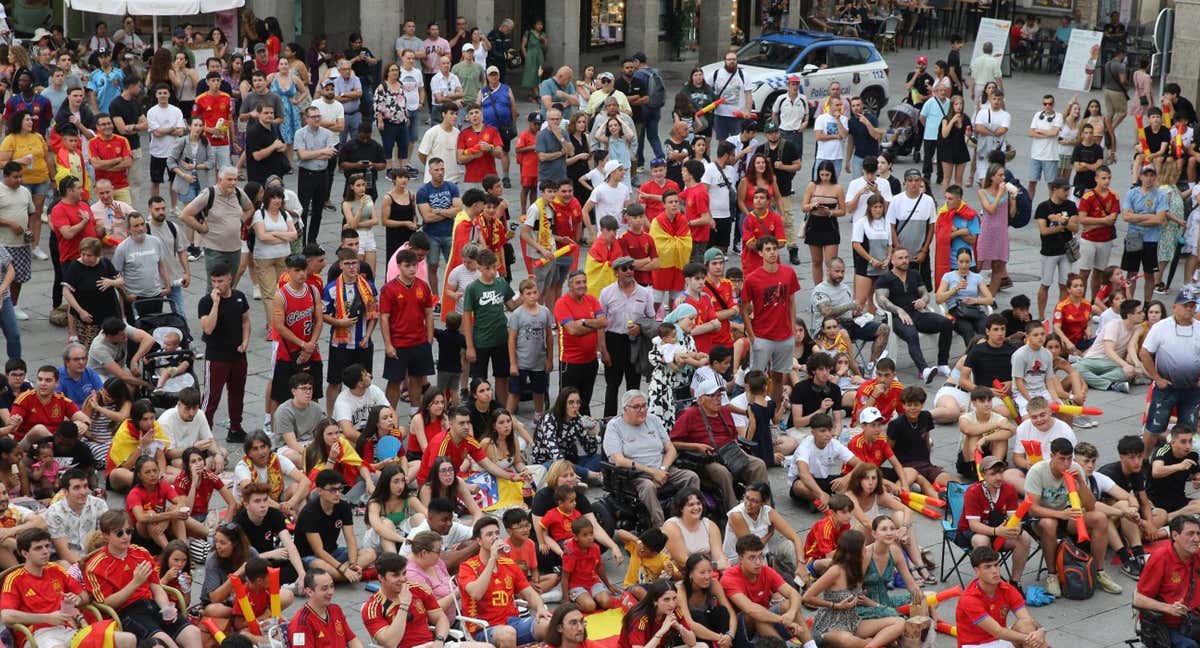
656, 616
196, 484
1071, 317
427, 424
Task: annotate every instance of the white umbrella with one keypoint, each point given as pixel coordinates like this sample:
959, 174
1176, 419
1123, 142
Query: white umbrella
153, 8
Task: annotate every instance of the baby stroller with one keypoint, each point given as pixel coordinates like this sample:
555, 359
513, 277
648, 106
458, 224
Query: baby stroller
172, 350
901, 136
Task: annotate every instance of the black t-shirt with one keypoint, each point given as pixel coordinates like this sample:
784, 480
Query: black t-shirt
1135, 483
501, 43
635, 87
786, 153
362, 69
953, 63
78, 456
1055, 244
257, 138
479, 420
222, 343
7, 395
902, 293
808, 395
923, 85
543, 501
263, 536
1184, 111
451, 344
910, 441
895, 185
1086, 180
865, 146
1156, 140
355, 151
675, 167
1168, 492
313, 519
82, 280
988, 363
129, 112
1013, 324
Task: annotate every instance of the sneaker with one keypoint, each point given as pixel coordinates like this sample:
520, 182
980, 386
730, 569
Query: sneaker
21, 315
944, 370
793, 256
257, 293
40, 255
927, 374
45, 217
194, 253
1086, 422
266, 421
1107, 584
1122, 387
506, 182
1006, 282
235, 436
1132, 568
1160, 288
1052, 586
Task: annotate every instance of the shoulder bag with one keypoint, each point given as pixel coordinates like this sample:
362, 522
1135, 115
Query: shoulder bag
731, 454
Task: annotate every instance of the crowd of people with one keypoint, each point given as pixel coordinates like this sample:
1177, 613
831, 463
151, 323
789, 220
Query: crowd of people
671, 263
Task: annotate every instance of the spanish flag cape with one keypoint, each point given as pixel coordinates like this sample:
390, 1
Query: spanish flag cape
462, 234
554, 219
673, 240
599, 267
68, 162
274, 475
101, 634
942, 263
342, 458
125, 443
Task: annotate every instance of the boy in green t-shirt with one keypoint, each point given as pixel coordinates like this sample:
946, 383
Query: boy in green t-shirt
485, 323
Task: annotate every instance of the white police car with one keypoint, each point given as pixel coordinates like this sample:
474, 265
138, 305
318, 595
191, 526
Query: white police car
819, 58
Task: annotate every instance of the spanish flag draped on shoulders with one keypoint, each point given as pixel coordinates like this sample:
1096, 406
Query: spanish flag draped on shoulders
673, 240
599, 267
342, 458
462, 234
69, 161
126, 442
943, 236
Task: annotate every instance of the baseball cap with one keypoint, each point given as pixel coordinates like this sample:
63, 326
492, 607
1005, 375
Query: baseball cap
1149, 168
181, 33
989, 462
635, 209
713, 254
912, 173
870, 415
771, 127
658, 162
535, 117
610, 166
328, 82
1059, 183
707, 387
103, 51
605, 76
1185, 296
261, 47
793, 79
621, 262
492, 69
922, 60
467, 47
750, 125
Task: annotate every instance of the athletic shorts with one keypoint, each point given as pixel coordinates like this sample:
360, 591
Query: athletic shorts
532, 382
1146, 259
144, 618
596, 590
417, 361
1094, 255
342, 357
158, 169
772, 355
285, 369
497, 356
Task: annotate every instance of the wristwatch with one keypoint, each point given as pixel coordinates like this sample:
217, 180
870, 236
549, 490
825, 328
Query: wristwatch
440, 638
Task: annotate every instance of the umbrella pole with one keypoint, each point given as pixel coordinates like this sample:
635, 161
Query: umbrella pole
155, 18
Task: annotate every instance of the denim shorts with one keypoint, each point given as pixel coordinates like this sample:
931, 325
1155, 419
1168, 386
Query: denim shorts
1045, 170
523, 626
439, 246
39, 189
340, 554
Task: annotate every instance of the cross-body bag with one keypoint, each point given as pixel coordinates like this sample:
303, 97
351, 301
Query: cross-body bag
727, 81
900, 230
1153, 631
507, 131
731, 454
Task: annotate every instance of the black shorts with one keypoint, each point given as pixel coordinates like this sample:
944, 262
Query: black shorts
285, 369
417, 361
158, 168
1146, 259
340, 358
864, 333
923, 468
532, 382
825, 483
144, 619
497, 356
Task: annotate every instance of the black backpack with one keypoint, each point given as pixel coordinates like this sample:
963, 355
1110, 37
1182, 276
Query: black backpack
656, 90
1077, 571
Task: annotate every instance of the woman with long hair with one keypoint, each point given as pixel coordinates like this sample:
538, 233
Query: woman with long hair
127, 444
823, 203
690, 532
871, 241
18, 58
252, 29
191, 160
838, 595
831, 339
1068, 137
585, 85
294, 54
502, 446
1143, 89
397, 210
230, 551
1093, 114
159, 71
27, 146
952, 146
329, 449
656, 619
996, 206
578, 164
703, 603
563, 431
534, 44
184, 81
865, 488
443, 481
274, 232
358, 213
391, 511
274, 40
429, 421
382, 425
175, 568
698, 94
619, 141
107, 408
319, 59
217, 41
883, 559
965, 296
155, 507
759, 175
1155, 312
391, 117
699, 149
1072, 316
291, 93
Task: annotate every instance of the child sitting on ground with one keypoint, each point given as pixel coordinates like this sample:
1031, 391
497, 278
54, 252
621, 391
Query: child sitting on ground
586, 584
557, 521
523, 550
255, 577
43, 471
823, 536
648, 560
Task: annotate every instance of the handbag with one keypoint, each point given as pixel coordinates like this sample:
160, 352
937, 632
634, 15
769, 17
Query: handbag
1134, 241
969, 311
1072, 249
731, 454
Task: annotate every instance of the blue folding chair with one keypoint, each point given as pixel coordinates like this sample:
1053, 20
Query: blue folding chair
954, 510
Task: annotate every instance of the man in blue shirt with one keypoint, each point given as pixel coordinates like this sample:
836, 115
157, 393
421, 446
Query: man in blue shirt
105, 83
77, 381
348, 89
1144, 207
932, 112
559, 89
439, 202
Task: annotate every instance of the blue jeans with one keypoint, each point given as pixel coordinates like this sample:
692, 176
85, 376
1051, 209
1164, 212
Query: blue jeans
12, 334
367, 105
723, 127
413, 116
351, 129
584, 464
855, 166
176, 298
395, 136
1180, 640
1184, 400
648, 130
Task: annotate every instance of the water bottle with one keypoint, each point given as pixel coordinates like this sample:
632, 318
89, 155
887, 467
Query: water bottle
844, 437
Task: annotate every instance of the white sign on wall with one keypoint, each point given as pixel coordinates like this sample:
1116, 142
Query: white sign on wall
1083, 55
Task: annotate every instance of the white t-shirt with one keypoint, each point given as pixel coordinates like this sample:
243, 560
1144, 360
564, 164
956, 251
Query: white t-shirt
1045, 148
15, 207
857, 184
413, 82
355, 409
158, 117
331, 111
457, 533
609, 200
834, 149
822, 462
460, 277
437, 143
241, 473
718, 194
913, 234
730, 86
876, 230
184, 434
1029, 439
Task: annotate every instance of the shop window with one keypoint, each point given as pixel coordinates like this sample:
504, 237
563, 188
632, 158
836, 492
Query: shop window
606, 26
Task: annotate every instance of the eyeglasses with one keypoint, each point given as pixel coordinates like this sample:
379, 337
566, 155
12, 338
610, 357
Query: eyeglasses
230, 527
640, 406
336, 488
446, 469
121, 533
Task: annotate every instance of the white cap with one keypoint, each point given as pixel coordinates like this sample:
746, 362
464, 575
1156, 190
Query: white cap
610, 166
870, 415
707, 387
468, 46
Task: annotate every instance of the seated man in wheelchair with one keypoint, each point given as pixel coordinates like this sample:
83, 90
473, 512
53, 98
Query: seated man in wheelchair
41, 595
702, 433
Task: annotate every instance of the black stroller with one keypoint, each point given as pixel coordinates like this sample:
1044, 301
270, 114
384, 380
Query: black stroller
157, 316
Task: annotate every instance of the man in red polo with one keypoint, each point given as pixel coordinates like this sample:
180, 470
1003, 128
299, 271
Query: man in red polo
457, 443
111, 156
478, 147
580, 319
39, 411
707, 326
983, 609
1165, 584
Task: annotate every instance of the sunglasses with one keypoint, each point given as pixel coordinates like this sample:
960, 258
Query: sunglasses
121, 533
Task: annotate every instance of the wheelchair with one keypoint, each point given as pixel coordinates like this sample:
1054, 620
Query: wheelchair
621, 503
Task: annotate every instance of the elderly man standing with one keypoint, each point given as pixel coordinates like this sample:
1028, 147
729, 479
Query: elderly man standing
219, 227
348, 90
637, 440
559, 89
705, 428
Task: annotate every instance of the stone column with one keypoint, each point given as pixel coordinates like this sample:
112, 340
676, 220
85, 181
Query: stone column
283, 10
380, 22
563, 30
481, 13
641, 27
1185, 70
713, 32
792, 19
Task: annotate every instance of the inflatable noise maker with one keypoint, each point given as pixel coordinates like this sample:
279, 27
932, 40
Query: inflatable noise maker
933, 599
1014, 520
1008, 401
922, 504
558, 254
1081, 531
274, 627
1075, 410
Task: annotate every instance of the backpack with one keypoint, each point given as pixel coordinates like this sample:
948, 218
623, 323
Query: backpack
656, 90
1076, 571
212, 196
1024, 211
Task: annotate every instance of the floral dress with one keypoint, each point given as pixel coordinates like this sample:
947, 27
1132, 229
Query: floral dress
1169, 239
553, 441
291, 112
875, 586
390, 105
831, 620
664, 381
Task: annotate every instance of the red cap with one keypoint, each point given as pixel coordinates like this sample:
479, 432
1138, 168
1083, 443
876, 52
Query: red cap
922, 60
